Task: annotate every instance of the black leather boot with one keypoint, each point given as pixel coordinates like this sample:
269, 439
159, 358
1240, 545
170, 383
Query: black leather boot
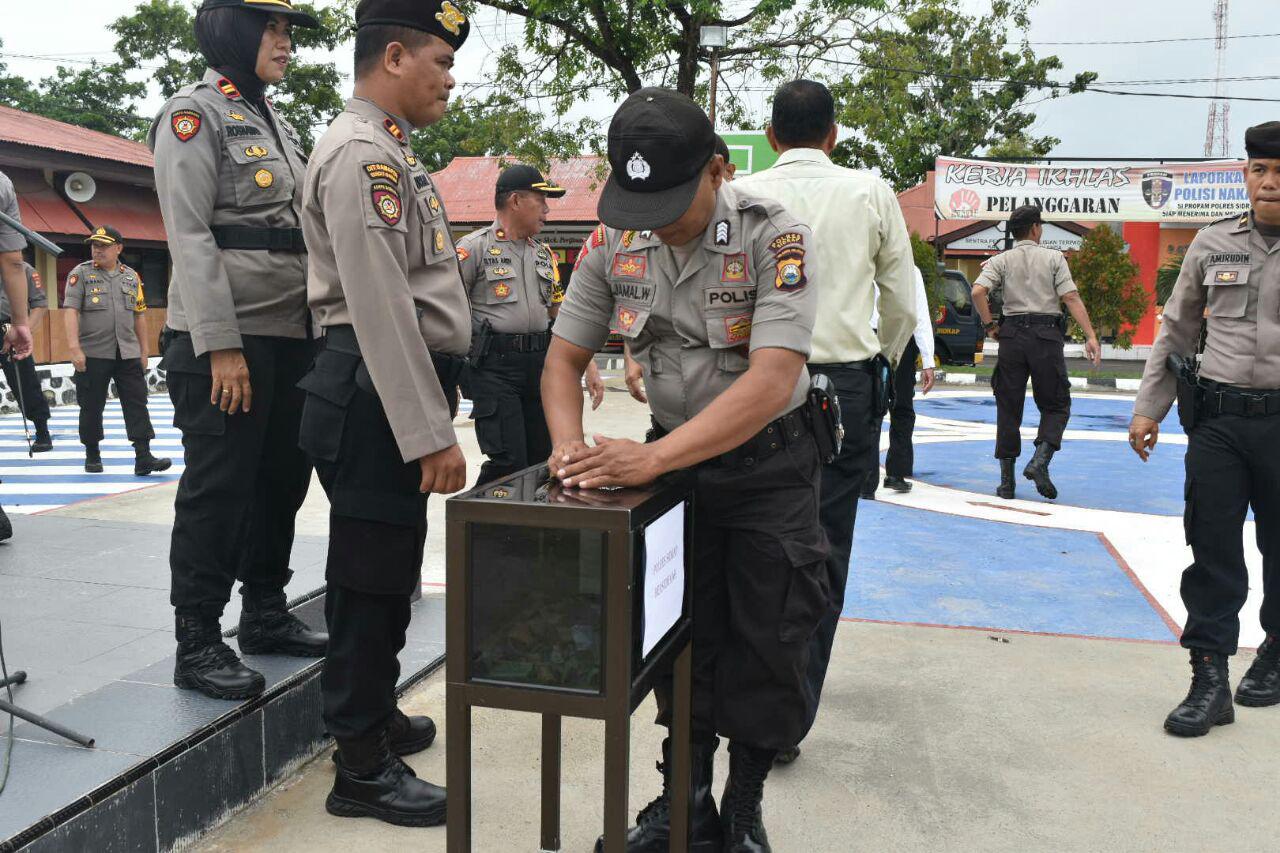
1007, 485
268, 628
208, 665
740, 811
898, 484
1261, 684
868, 492
144, 463
1037, 470
372, 782
1208, 703
43, 442
652, 832
408, 735
92, 459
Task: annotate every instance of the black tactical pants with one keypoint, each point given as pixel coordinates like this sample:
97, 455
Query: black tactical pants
131, 386
900, 460
760, 588
245, 477
506, 389
1232, 464
21, 374
377, 530
1035, 351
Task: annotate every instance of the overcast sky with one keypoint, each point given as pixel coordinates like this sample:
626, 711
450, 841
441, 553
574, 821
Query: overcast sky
1089, 125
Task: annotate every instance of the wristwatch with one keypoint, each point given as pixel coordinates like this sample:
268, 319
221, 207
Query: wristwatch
991, 325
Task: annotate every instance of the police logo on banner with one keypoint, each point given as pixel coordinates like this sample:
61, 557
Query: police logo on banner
1157, 188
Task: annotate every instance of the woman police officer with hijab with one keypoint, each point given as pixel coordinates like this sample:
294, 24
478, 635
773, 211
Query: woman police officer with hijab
229, 174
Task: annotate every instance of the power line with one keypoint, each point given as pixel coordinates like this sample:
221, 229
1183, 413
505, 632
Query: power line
1159, 41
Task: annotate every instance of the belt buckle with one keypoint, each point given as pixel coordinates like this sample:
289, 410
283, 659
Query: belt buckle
1255, 405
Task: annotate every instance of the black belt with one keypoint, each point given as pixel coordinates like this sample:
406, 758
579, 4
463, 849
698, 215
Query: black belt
343, 339
788, 429
503, 342
1033, 319
864, 366
260, 239
1222, 399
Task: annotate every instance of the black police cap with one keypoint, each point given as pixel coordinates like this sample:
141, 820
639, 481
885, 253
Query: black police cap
1024, 217
269, 7
441, 18
104, 235
659, 142
521, 177
1263, 141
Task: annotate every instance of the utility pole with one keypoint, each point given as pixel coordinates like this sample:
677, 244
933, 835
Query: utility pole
1217, 135
713, 37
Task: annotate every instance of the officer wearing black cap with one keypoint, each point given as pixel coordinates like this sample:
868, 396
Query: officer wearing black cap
1035, 282
21, 373
1227, 298
382, 394
103, 307
515, 290
229, 172
715, 293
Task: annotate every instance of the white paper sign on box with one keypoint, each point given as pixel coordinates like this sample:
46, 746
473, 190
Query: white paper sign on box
663, 576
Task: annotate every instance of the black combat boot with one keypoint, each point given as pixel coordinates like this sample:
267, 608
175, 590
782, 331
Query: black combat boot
44, 441
740, 812
868, 492
268, 628
898, 484
1208, 703
208, 665
144, 463
787, 756
1038, 470
1261, 684
408, 735
372, 782
1007, 485
652, 832
92, 459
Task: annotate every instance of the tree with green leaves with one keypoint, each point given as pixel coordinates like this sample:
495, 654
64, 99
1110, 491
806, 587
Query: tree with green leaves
937, 80
926, 258
99, 97
1109, 285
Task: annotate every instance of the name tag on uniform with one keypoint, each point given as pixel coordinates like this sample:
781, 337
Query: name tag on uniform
633, 292
728, 297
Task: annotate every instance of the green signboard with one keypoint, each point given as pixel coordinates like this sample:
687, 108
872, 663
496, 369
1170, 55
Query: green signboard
749, 150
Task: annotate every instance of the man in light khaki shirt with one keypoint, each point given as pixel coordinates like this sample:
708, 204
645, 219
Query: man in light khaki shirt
1229, 287
861, 244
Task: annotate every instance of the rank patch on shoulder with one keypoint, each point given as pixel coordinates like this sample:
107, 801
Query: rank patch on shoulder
790, 270
500, 234
597, 236
737, 329
627, 238
791, 238
382, 171
386, 203
185, 124
734, 269
393, 129
228, 88
626, 318
263, 178
256, 152
463, 254
630, 266
722, 232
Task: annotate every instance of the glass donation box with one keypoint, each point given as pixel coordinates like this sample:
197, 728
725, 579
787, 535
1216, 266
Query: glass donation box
565, 602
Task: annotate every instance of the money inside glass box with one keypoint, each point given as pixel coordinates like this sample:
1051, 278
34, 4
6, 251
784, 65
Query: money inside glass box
537, 601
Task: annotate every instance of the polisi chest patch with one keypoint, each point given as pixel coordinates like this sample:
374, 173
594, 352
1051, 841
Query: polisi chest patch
728, 297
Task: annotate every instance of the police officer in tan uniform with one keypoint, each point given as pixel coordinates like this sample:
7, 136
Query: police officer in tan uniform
229, 172
378, 418
715, 294
515, 290
103, 310
1035, 282
1229, 287
21, 373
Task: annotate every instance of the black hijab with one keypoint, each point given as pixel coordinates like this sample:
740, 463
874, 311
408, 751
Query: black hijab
230, 38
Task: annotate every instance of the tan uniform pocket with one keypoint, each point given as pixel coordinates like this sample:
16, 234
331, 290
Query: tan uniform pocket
500, 285
629, 319
95, 298
1228, 288
259, 174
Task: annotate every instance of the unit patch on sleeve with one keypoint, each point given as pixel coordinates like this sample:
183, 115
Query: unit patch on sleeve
790, 270
629, 266
185, 124
626, 318
382, 171
386, 202
791, 238
463, 254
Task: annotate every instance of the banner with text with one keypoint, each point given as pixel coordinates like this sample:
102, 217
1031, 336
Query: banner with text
1086, 192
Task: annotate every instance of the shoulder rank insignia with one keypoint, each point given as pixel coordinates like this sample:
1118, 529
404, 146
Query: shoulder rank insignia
722, 232
386, 202
500, 234
382, 171
228, 88
393, 129
263, 178
463, 254
627, 238
185, 124
450, 18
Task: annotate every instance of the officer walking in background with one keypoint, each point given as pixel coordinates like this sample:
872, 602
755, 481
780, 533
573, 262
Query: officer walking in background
1229, 287
229, 174
715, 292
21, 373
514, 285
378, 419
103, 311
1035, 282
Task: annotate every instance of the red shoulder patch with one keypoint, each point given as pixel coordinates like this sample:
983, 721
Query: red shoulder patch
185, 124
228, 88
393, 129
463, 254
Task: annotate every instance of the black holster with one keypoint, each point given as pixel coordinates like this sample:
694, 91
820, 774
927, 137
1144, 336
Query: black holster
824, 412
1190, 394
481, 342
881, 385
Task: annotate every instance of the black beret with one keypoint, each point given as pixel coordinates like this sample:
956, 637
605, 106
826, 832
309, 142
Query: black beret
1024, 217
1263, 140
441, 18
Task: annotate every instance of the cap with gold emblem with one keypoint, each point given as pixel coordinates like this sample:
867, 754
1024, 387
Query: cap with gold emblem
105, 236
276, 7
443, 18
521, 177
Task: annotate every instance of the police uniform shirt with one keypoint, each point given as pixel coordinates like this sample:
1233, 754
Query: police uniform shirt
748, 284
1230, 270
1033, 278
36, 297
220, 162
11, 239
108, 303
511, 284
382, 260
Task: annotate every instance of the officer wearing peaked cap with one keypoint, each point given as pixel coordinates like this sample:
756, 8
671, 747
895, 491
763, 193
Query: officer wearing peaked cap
715, 293
380, 399
1228, 297
514, 285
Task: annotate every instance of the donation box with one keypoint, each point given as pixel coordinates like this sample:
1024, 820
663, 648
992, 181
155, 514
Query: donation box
565, 602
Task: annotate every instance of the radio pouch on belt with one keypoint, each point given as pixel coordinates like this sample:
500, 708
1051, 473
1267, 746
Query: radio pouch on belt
881, 385
824, 411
